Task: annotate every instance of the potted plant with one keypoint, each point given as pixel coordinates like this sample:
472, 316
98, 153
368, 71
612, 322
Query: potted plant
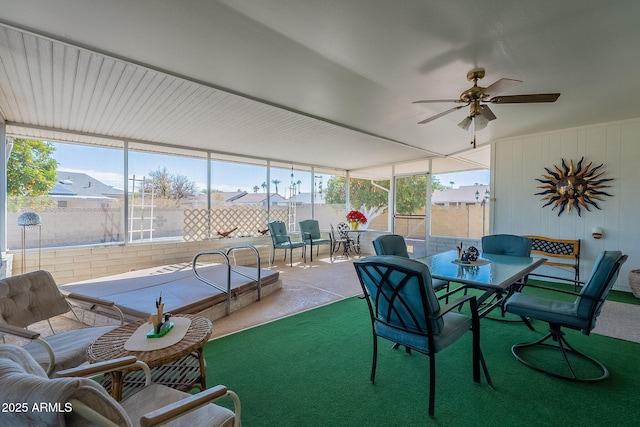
356, 218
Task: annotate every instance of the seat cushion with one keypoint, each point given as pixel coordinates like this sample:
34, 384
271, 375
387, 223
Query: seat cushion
70, 348
19, 385
158, 396
545, 309
454, 326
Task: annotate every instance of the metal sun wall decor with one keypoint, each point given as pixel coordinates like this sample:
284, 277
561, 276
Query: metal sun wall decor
573, 186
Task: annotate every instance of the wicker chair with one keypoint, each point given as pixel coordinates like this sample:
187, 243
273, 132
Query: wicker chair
81, 401
34, 297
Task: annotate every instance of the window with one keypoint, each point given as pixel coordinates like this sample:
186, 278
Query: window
67, 185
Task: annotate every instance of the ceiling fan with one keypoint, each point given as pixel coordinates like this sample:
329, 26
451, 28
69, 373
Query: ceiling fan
478, 97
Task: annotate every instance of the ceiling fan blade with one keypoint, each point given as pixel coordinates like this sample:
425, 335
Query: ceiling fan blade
524, 99
444, 113
432, 101
487, 113
500, 86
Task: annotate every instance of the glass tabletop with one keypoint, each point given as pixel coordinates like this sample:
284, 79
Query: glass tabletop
499, 273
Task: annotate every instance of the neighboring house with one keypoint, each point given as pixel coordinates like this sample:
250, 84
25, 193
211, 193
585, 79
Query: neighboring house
79, 190
461, 196
305, 199
260, 199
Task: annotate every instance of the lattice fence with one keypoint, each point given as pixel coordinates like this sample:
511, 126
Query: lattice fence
237, 221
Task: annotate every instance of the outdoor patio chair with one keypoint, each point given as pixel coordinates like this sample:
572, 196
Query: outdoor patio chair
405, 310
394, 244
34, 297
281, 240
510, 245
74, 401
338, 239
579, 314
343, 231
506, 244
310, 235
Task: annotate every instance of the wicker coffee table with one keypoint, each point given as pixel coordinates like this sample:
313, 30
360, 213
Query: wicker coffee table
180, 366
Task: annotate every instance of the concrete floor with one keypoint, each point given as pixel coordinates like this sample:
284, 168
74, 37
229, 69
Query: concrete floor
304, 286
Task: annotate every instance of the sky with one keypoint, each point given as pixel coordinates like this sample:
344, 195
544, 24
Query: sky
105, 165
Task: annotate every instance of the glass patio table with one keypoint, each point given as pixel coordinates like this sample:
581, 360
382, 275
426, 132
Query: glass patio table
493, 274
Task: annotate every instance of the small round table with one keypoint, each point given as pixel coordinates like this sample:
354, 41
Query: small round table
180, 366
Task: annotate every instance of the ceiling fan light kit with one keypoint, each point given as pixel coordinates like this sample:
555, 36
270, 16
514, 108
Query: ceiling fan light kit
477, 98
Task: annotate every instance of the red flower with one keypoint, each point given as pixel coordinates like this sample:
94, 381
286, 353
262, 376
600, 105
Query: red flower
356, 216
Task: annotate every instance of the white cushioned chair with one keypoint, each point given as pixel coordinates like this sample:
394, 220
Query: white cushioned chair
74, 401
33, 297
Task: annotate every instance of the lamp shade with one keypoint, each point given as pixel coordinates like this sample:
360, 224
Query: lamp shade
465, 123
29, 219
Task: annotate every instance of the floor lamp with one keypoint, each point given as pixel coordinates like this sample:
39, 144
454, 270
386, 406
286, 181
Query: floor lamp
30, 219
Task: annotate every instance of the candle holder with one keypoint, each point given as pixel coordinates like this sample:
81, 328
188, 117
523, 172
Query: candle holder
160, 321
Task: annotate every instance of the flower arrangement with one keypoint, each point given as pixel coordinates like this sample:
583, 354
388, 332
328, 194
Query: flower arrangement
356, 216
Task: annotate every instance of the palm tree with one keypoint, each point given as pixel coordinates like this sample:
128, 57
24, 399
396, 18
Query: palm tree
255, 188
299, 182
264, 187
276, 182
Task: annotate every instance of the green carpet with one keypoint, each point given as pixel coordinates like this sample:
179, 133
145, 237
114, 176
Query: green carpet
312, 369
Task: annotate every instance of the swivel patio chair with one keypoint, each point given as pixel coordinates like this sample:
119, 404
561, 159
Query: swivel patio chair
394, 244
579, 314
310, 235
76, 401
281, 240
34, 297
404, 309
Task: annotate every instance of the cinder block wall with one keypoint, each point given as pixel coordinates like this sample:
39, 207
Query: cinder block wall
73, 264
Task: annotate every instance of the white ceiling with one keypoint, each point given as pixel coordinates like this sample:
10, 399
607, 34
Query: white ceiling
326, 83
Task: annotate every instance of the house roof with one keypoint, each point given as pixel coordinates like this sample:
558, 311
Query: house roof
257, 198
82, 185
324, 84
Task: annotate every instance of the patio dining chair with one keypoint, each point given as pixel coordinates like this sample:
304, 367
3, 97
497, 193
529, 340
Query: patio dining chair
311, 236
34, 297
394, 244
281, 240
579, 314
509, 245
405, 310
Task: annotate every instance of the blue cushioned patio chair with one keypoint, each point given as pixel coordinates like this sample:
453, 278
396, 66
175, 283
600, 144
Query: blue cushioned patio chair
510, 245
394, 244
579, 314
404, 309
281, 240
310, 235
506, 244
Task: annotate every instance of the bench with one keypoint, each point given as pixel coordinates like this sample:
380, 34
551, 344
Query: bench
565, 255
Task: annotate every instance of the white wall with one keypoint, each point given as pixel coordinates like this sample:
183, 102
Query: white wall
519, 161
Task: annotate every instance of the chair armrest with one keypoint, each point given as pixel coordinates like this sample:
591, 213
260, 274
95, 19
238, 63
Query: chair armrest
107, 366
562, 291
96, 301
18, 331
99, 368
33, 336
177, 409
453, 304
